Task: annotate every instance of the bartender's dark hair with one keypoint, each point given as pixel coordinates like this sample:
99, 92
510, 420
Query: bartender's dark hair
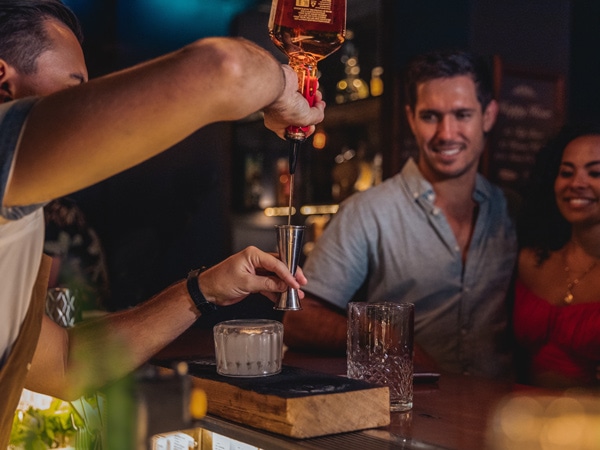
22, 34
540, 225
447, 64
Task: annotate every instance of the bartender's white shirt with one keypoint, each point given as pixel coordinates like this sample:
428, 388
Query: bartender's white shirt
21, 236
21, 246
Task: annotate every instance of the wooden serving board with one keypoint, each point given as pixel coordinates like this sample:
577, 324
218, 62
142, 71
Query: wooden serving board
296, 402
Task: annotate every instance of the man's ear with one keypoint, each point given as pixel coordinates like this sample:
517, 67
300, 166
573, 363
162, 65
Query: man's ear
410, 117
7, 76
489, 115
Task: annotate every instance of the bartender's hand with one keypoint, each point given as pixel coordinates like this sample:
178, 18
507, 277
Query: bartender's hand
291, 108
247, 272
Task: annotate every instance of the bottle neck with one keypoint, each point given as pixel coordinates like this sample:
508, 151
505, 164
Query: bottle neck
304, 64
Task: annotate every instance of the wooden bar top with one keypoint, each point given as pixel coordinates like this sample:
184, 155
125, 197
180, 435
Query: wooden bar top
454, 412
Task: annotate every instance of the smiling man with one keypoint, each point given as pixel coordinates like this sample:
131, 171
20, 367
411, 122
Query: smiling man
437, 234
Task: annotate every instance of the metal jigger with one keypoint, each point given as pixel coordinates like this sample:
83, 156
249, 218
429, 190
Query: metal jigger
289, 244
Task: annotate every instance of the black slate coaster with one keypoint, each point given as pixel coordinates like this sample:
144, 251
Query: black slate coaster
291, 382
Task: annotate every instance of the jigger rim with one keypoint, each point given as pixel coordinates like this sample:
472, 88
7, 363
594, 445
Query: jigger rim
290, 226
284, 305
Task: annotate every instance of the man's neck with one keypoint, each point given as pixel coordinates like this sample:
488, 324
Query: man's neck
455, 198
454, 194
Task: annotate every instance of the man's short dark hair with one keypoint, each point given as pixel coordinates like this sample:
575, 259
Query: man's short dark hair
448, 64
22, 33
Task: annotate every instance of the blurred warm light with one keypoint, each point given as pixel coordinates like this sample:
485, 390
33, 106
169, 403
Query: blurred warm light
307, 210
319, 140
345, 155
565, 424
568, 422
198, 403
519, 418
357, 84
376, 83
279, 211
365, 177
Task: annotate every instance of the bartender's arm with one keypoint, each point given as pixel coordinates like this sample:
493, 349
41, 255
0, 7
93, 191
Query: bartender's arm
84, 134
69, 363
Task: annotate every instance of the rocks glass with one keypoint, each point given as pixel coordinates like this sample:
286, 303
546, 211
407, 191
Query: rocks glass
248, 347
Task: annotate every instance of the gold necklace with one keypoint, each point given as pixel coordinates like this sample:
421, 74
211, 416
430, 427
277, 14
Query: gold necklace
571, 284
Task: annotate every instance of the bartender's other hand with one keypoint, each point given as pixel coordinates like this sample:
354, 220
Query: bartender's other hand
291, 108
247, 272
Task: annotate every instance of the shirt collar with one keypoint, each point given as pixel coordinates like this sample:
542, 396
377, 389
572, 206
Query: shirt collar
421, 189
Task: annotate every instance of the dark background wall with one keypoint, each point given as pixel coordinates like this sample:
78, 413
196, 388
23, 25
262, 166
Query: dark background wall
172, 213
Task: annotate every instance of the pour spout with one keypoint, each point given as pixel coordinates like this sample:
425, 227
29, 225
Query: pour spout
293, 155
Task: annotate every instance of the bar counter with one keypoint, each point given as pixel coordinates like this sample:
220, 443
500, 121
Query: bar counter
454, 412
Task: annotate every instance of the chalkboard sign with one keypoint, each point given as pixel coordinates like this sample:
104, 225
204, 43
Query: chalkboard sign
531, 110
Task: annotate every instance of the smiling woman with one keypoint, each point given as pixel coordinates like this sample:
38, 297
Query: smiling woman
557, 305
577, 183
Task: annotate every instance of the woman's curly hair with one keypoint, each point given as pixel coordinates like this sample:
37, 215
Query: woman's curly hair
540, 225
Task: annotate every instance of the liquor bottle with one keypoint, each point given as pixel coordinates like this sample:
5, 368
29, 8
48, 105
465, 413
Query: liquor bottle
376, 81
307, 31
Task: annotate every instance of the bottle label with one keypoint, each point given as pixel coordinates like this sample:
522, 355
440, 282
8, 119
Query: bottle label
316, 15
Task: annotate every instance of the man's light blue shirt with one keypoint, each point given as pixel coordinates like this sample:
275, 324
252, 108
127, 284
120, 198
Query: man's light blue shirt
393, 238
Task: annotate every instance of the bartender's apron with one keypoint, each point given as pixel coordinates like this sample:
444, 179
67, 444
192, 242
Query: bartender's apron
14, 372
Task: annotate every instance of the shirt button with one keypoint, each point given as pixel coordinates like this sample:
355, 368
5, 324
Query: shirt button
463, 331
415, 194
435, 211
430, 197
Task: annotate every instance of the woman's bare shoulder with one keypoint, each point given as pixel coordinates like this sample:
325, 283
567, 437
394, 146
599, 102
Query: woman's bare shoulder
539, 277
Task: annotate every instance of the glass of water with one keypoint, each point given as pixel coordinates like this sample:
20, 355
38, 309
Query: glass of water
380, 348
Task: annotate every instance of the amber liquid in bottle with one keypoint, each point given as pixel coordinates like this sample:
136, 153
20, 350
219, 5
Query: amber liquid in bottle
306, 31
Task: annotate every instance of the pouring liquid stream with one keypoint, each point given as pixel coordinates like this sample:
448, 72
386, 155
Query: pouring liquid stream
293, 155
290, 201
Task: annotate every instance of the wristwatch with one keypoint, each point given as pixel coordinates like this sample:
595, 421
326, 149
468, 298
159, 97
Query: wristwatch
204, 306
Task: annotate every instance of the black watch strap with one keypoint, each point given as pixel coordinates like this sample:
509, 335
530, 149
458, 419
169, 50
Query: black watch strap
204, 306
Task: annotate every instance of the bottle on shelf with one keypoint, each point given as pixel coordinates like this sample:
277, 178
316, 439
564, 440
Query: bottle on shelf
376, 81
